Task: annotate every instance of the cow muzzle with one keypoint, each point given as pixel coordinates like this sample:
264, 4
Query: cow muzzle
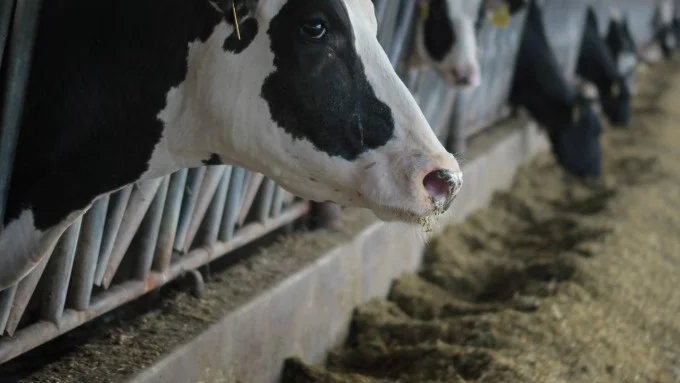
442, 187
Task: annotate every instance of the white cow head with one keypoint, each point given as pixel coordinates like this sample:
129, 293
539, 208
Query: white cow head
446, 36
307, 96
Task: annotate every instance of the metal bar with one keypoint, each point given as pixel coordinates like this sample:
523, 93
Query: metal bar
277, 203
458, 138
267, 197
231, 208
148, 233
39, 333
89, 245
215, 214
171, 212
6, 299
19, 58
118, 202
249, 197
25, 292
193, 187
380, 7
289, 198
6, 10
211, 181
59, 273
404, 26
141, 198
387, 24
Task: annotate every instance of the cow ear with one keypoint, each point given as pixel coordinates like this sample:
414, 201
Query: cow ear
591, 17
515, 6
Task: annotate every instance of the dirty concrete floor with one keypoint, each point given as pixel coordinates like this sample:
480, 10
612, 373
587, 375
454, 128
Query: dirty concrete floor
556, 281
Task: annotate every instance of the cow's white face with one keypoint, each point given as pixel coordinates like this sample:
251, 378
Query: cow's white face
308, 98
446, 37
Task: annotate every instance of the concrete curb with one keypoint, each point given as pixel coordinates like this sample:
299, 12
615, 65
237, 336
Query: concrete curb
309, 312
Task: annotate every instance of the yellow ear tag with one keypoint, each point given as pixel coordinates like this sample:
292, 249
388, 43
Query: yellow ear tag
615, 90
238, 31
575, 113
500, 18
424, 10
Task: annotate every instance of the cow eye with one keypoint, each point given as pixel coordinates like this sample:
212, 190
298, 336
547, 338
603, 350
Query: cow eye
313, 29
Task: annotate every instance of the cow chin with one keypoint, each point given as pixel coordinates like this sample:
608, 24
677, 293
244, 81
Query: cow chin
446, 74
408, 217
390, 214
407, 213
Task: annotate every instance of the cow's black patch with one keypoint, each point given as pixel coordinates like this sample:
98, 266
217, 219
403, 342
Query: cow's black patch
663, 36
540, 86
619, 39
439, 35
100, 74
538, 82
515, 6
248, 29
578, 149
596, 64
319, 91
213, 160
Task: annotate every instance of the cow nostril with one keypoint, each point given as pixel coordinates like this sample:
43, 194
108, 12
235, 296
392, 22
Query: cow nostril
442, 185
463, 80
462, 76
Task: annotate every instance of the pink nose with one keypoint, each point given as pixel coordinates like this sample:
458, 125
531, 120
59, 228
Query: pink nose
443, 185
463, 74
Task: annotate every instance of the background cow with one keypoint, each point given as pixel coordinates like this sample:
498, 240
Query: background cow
540, 87
675, 24
446, 36
663, 25
134, 89
596, 65
622, 48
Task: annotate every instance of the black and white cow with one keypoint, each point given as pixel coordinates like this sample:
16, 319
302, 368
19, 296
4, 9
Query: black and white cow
127, 90
676, 29
596, 65
623, 48
540, 87
663, 25
445, 38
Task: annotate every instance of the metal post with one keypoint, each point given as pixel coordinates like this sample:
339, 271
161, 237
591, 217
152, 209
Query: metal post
18, 65
457, 141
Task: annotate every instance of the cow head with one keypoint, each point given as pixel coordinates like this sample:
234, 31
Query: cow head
623, 49
308, 97
662, 22
576, 144
616, 101
597, 65
446, 36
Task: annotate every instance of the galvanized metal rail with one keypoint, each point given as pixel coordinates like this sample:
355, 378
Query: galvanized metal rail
148, 233
479, 108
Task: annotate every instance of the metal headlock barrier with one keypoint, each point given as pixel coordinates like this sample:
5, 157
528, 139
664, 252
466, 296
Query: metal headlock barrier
149, 233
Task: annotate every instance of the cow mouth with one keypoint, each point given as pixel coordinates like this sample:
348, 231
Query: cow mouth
396, 214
